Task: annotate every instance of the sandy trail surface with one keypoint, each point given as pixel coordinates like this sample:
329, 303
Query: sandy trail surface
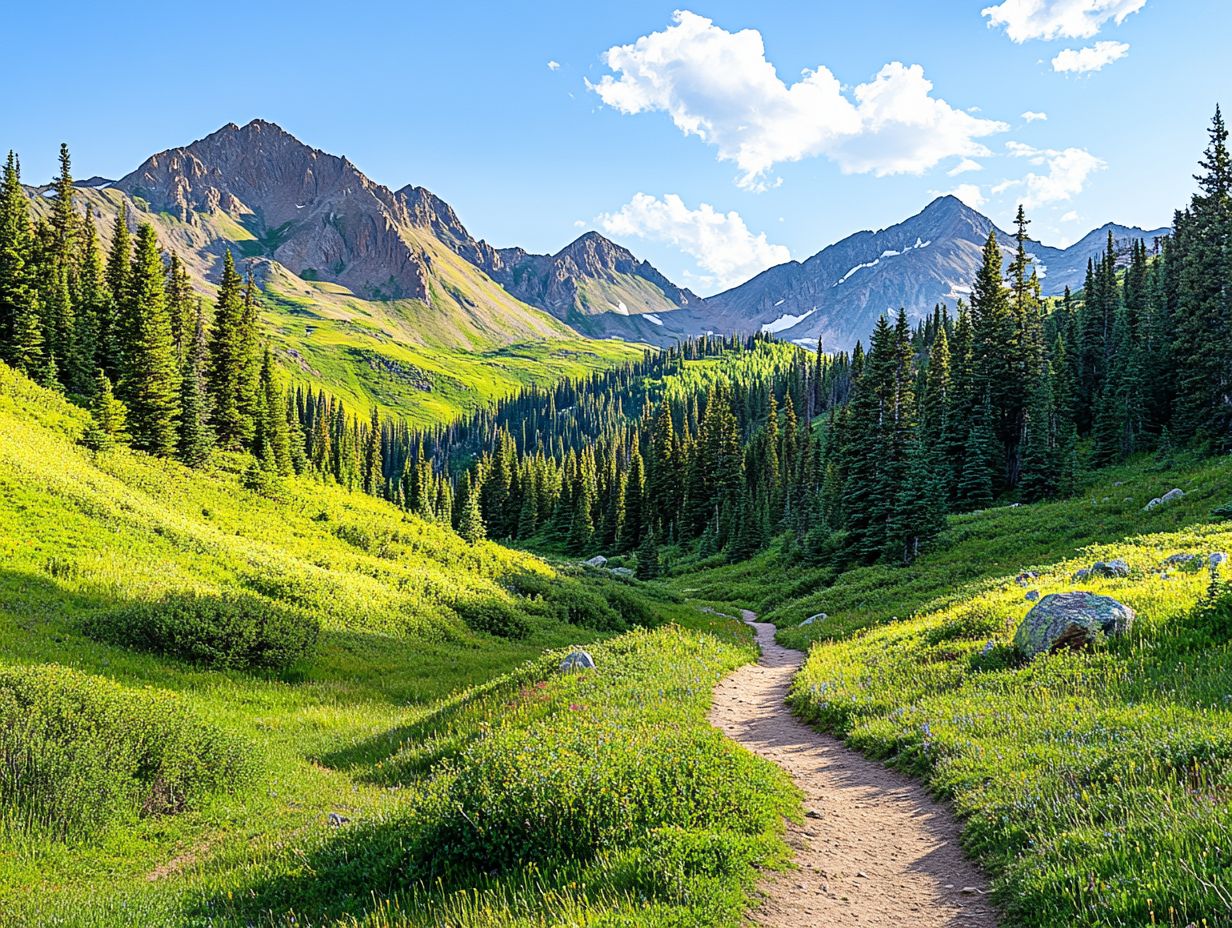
875, 848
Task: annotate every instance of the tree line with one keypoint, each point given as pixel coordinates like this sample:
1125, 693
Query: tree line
718, 444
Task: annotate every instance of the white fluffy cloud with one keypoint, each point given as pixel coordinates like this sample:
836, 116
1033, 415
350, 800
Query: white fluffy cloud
1031, 116
553, 65
971, 194
1068, 170
1092, 58
718, 86
1024, 20
721, 243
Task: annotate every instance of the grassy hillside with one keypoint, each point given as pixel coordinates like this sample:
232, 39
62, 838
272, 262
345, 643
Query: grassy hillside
161, 790
1095, 786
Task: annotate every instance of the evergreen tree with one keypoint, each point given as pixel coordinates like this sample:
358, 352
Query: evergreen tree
373, 474
230, 416
975, 487
108, 417
195, 441
21, 335
470, 519
149, 377
648, 557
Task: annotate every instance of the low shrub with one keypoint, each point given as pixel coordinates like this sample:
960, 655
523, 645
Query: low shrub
584, 787
237, 632
493, 616
79, 752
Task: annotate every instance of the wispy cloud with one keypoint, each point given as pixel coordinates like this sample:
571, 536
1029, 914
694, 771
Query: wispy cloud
1093, 58
1032, 116
553, 65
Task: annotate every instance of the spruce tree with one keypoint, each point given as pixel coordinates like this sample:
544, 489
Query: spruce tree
230, 418
21, 334
648, 557
195, 440
374, 478
149, 377
470, 519
119, 271
975, 486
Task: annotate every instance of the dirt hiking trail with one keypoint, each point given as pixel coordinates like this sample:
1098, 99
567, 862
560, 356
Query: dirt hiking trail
875, 849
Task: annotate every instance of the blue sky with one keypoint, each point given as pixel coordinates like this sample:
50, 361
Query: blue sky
533, 129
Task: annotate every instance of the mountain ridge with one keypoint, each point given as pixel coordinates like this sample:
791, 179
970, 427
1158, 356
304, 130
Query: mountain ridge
319, 217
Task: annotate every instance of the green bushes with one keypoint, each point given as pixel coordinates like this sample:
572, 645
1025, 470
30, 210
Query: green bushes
78, 752
493, 616
577, 787
237, 632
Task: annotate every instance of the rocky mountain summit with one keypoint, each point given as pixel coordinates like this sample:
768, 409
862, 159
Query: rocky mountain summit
315, 213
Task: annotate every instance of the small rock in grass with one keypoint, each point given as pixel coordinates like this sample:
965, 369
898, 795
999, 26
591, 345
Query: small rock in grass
1026, 577
1071, 620
577, 660
336, 820
597, 561
819, 617
621, 571
1185, 561
1032, 595
1217, 559
1082, 573
1114, 568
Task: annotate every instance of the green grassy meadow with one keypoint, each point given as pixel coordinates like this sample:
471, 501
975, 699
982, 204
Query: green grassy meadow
161, 790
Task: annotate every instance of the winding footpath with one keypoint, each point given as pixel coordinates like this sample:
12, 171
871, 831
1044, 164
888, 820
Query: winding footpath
875, 849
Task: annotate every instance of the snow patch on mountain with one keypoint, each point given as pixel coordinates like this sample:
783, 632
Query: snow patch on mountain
786, 321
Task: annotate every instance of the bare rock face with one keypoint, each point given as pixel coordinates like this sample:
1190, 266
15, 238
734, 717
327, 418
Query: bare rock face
315, 213
1071, 620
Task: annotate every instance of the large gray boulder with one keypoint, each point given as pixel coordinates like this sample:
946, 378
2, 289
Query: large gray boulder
597, 561
1174, 493
1071, 620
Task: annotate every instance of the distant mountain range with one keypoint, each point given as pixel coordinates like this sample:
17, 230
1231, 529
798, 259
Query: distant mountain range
299, 214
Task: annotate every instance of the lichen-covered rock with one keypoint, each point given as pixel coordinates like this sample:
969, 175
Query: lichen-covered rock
1032, 596
1114, 568
597, 561
621, 571
1185, 561
1071, 620
819, 617
577, 660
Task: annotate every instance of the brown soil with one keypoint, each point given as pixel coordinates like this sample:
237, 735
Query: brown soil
875, 848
